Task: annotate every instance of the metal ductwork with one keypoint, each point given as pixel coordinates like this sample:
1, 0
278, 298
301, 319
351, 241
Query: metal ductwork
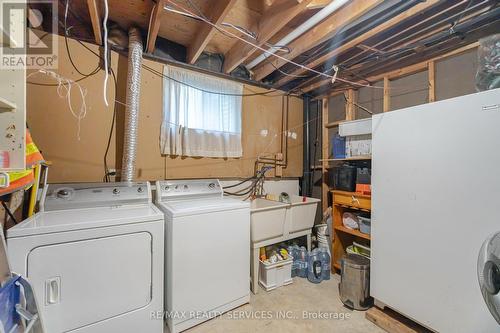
132, 109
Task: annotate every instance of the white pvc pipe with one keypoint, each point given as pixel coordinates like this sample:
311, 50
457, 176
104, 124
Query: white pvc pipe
318, 17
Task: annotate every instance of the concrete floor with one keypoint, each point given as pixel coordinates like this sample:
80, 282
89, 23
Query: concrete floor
291, 301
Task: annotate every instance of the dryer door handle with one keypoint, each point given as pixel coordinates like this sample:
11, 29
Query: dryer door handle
52, 290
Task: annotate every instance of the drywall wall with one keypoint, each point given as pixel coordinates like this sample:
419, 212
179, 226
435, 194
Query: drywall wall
55, 130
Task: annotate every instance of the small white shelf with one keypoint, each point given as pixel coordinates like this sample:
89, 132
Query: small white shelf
6, 105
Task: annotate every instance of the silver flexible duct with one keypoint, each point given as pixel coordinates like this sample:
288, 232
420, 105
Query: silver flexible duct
132, 108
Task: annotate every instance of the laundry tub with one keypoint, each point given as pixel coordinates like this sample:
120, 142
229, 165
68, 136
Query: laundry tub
267, 219
301, 214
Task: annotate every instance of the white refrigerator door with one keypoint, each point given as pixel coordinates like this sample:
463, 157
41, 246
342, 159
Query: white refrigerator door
84, 282
436, 198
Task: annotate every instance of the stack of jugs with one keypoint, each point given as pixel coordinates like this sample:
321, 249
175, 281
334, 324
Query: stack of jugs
319, 265
315, 267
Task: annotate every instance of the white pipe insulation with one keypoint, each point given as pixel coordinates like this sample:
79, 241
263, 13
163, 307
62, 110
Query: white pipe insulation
132, 107
315, 19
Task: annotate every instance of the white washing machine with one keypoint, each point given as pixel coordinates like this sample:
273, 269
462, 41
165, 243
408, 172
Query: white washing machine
94, 256
207, 253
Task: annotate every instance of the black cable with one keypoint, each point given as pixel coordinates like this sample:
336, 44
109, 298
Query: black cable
154, 71
243, 181
7, 210
96, 70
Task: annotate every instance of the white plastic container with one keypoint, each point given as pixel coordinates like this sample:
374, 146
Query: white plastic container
364, 224
267, 219
302, 213
272, 276
356, 127
358, 145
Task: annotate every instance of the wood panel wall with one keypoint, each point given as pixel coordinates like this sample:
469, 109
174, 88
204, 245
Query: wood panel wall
55, 130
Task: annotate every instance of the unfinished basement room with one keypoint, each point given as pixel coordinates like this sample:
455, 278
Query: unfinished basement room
253, 166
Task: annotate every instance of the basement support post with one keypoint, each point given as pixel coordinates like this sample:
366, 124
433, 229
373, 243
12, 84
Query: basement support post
306, 165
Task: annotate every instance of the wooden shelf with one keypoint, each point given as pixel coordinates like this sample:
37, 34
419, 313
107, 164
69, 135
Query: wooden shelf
356, 233
343, 237
334, 124
357, 158
352, 207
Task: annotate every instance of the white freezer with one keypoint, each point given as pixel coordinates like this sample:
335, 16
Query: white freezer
436, 198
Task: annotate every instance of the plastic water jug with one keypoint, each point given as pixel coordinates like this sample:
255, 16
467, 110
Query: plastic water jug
293, 251
325, 263
315, 267
303, 258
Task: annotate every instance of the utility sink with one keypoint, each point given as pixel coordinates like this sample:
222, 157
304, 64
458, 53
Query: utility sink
267, 219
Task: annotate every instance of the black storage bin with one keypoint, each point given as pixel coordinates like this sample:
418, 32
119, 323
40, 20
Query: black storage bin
343, 178
363, 176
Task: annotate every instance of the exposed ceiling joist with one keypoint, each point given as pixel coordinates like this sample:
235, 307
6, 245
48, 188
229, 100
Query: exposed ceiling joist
273, 20
314, 84
218, 11
95, 18
154, 25
411, 69
323, 31
417, 9
318, 4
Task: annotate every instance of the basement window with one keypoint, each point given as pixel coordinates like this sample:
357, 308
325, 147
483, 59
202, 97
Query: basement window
201, 115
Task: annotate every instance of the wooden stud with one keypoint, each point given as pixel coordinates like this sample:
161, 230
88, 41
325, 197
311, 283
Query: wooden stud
350, 110
432, 82
218, 12
324, 154
273, 20
321, 32
95, 18
415, 10
154, 27
387, 94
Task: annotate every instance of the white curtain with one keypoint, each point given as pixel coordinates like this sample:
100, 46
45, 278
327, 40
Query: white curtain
200, 123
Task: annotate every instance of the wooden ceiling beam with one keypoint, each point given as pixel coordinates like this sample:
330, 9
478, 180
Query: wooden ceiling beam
413, 11
310, 85
273, 20
154, 25
217, 14
95, 18
321, 32
410, 69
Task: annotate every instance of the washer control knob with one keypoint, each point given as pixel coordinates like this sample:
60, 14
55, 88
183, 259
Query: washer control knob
167, 188
211, 186
63, 194
185, 187
140, 190
116, 191
176, 187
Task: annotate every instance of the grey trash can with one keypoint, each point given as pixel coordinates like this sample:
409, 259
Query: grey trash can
354, 287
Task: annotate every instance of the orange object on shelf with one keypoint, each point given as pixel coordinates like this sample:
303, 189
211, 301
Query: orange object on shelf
364, 188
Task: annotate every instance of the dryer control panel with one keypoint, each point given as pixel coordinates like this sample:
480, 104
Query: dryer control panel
191, 188
88, 195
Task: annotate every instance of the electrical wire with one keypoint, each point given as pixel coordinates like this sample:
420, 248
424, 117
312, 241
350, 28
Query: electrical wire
106, 65
67, 46
154, 71
273, 54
